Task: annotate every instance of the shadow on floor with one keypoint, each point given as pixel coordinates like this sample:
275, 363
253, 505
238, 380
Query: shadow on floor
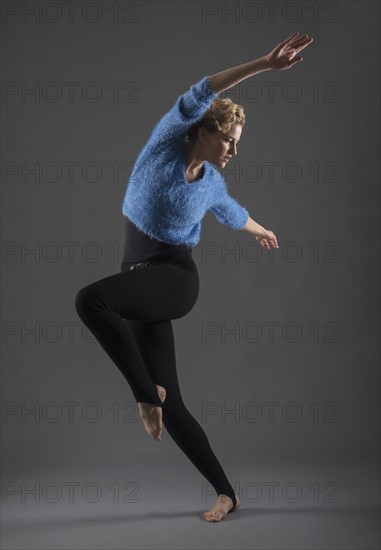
243, 512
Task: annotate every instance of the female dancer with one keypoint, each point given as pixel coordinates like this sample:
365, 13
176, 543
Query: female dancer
174, 181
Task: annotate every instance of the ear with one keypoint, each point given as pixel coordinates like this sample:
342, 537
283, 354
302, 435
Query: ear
202, 133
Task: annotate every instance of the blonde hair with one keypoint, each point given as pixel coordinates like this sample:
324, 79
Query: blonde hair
221, 115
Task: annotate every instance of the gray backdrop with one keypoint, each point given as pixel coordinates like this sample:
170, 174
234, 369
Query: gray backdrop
279, 358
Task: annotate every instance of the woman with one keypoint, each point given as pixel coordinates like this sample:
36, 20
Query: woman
174, 181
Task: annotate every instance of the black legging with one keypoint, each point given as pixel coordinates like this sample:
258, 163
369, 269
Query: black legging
130, 314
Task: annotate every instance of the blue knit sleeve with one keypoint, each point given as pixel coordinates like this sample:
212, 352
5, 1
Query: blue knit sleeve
227, 210
188, 109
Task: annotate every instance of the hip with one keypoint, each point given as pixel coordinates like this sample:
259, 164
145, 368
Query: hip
178, 256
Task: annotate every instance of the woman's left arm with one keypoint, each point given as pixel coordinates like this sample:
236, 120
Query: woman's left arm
266, 238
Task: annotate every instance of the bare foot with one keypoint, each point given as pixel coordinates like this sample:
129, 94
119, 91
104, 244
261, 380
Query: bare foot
221, 508
152, 415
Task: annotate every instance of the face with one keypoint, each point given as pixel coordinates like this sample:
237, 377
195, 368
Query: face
219, 147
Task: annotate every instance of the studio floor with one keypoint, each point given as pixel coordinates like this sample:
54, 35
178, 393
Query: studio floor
288, 511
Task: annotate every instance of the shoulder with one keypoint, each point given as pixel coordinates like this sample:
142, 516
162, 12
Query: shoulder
216, 175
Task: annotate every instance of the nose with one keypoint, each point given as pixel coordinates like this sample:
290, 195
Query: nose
233, 149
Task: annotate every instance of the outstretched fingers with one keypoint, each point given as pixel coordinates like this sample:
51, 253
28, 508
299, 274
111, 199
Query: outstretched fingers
301, 43
296, 44
289, 39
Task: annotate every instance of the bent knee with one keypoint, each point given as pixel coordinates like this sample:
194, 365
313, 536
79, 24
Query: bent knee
84, 300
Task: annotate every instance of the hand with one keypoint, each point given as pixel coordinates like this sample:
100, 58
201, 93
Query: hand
267, 239
283, 55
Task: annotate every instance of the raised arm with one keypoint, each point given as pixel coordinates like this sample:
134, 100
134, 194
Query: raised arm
194, 102
283, 56
189, 107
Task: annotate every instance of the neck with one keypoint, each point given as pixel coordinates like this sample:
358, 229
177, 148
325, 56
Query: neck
194, 161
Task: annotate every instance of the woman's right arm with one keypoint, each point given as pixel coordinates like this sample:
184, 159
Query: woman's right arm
281, 57
169, 132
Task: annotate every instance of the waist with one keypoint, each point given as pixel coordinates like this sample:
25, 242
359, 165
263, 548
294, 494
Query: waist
172, 255
139, 246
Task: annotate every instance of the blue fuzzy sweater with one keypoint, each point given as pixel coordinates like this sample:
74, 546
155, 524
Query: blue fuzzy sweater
159, 200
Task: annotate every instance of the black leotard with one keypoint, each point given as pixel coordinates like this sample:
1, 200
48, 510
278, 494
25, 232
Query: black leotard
139, 246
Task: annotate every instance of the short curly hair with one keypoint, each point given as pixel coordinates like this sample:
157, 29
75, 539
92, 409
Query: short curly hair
221, 115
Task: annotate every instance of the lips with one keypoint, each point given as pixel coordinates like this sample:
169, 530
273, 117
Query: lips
227, 158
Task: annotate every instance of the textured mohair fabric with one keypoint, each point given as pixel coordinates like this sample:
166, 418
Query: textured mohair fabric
159, 200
